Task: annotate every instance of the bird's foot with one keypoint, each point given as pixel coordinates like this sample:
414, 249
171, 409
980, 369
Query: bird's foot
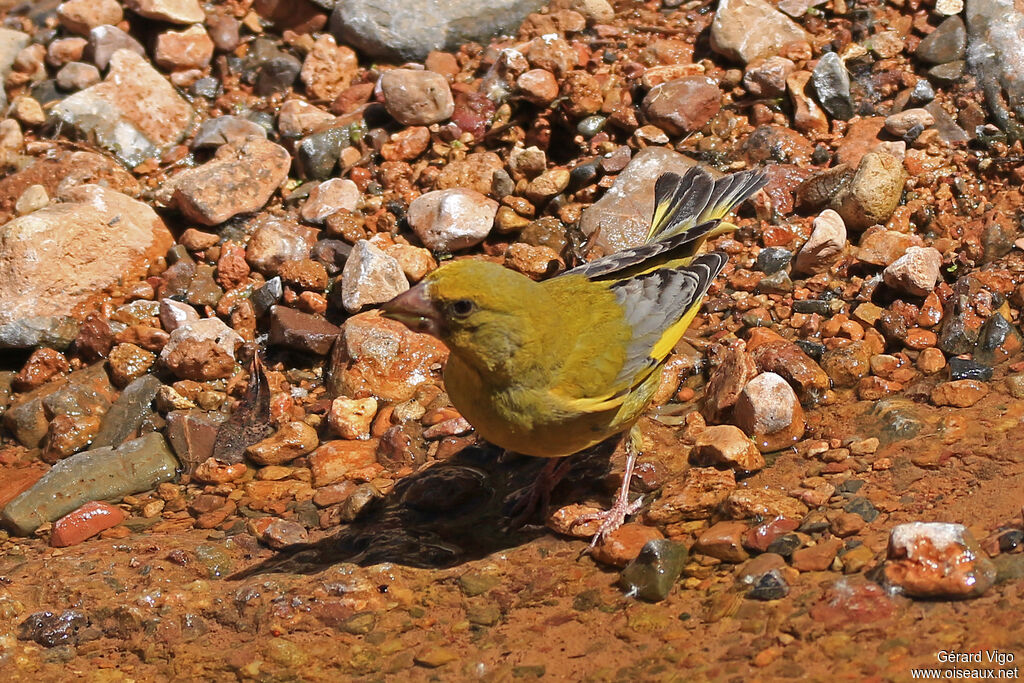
611, 519
537, 496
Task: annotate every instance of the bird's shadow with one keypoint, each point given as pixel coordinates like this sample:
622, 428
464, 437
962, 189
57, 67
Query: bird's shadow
452, 512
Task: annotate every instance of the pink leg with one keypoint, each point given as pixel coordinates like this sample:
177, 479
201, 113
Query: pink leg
614, 517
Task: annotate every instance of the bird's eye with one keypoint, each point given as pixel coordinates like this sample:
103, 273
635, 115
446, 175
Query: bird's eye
462, 307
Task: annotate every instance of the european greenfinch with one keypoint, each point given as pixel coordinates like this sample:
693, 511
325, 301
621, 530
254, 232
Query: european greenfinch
551, 368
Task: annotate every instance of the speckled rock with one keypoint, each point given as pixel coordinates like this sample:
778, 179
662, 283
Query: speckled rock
873, 193
239, 179
695, 496
80, 16
329, 197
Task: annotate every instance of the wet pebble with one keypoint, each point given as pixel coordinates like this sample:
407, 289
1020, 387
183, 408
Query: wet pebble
916, 272
651, 575
936, 560
449, 220
727, 446
50, 630
961, 393
768, 411
290, 441
84, 523
723, 541
623, 545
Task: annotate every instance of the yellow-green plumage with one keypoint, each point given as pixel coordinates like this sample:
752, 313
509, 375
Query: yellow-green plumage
550, 368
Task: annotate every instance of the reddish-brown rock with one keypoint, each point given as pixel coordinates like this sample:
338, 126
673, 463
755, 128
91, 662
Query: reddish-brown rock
83, 523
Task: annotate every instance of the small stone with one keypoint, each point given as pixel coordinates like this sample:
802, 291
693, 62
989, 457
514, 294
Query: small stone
104, 41
916, 272
53, 630
81, 16
623, 545
303, 332
724, 541
827, 241
761, 537
77, 76
128, 362
902, 123
417, 98
344, 460
274, 242
84, 523
350, 418
223, 130
873, 193
816, 558
551, 182
651, 575
171, 11
240, 179
538, 86
962, 393
567, 521
696, 496
936, 560
278, 533
728, 446
744, 503
683, 106
435, 657
382, 358
744, 30
182, 50
370, 277
767, 77
329, 197
832, 85
453, 219
947, 43
416, 262
768, 410
290, 441
328, 69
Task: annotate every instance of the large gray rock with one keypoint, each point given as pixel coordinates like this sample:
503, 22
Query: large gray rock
97, 474
623, 214
135, 113
744, 30
995, 53
58, 258
404, 30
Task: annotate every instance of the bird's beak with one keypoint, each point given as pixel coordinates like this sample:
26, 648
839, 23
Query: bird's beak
414, 309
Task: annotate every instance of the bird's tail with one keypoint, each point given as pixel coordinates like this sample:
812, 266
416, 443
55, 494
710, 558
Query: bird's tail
684, 202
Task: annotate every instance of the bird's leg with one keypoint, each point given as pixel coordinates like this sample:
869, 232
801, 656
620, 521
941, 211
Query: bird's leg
612, 518
539, 494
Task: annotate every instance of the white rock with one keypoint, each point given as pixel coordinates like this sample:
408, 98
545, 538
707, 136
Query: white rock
827, 240
370, 277
329, 197
449, 220
212, 329
916, 272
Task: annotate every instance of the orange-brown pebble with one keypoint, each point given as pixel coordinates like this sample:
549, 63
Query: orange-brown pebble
961, 393
624, 544
344, 460
84, 523
918, 338
931, 361
213, 471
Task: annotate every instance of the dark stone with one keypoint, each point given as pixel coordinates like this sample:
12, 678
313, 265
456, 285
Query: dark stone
128, 412
813, 349
955, 338
819, 306
814, 522
863, 508
1010, 540
301, 331
591, 126
332, 254
203, 289
651, 574
947, 43
776, 283
850, 486
770, 586
584, 174
266, 296
948, 73
832, 84
49, 629
773, 259
922, 93
963, 368
208, 87
785, 545
317, 154
192, 434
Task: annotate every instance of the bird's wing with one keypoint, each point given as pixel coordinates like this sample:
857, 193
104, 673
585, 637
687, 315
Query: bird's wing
651, 255
682, 203
659, 305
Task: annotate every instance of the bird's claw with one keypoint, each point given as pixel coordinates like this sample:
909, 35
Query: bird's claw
611, 519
